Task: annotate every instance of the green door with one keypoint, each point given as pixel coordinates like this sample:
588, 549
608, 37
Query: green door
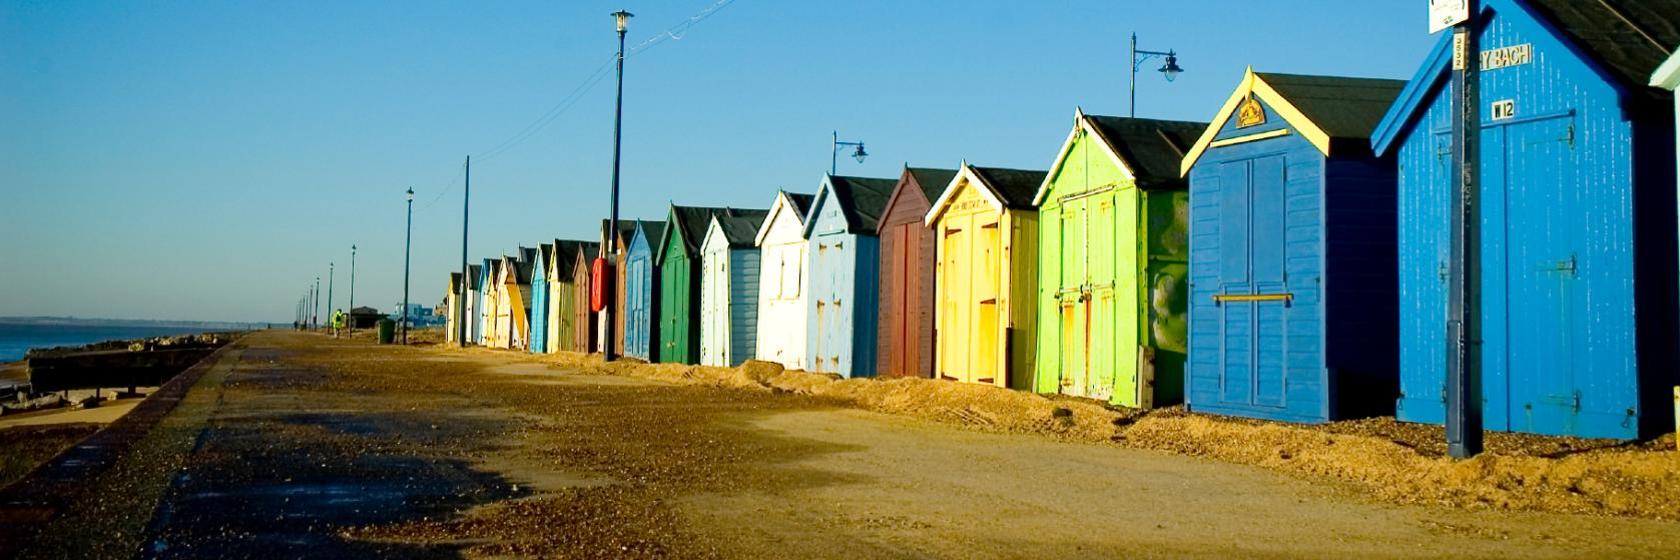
1120, 309
676, 303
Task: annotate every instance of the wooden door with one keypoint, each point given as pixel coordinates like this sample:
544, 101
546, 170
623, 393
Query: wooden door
955, 331
1252, 243
987, 293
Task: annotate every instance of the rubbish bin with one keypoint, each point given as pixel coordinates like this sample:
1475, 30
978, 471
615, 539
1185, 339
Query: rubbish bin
387, 331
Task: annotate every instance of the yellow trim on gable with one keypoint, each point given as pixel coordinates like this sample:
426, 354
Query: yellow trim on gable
1258, 136
1252, 84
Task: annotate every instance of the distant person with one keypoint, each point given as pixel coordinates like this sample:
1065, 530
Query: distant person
337, 321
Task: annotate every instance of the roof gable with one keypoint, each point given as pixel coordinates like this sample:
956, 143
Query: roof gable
1002, 187
1618, 40
861, 201
1147, 151
924, 182
788, 206
1321, 109
474, 276
648, 232
1667, 76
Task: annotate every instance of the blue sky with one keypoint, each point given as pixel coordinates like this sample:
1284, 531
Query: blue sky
206, 160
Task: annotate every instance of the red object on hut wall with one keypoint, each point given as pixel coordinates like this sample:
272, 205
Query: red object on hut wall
601, 282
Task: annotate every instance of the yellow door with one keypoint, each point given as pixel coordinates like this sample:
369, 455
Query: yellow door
988, 252
954, 333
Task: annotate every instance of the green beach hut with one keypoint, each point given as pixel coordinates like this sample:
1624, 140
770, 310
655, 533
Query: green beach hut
1113, 258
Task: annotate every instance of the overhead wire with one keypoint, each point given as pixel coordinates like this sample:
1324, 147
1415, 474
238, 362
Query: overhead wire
675, 32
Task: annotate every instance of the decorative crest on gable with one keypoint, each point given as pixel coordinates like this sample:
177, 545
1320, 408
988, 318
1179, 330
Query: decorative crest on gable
1250, 113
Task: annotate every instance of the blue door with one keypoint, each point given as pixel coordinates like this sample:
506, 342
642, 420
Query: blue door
1253, 369
1546, 301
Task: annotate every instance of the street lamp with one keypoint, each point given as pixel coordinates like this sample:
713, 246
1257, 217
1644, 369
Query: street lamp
330, 298
1169, 70
407, 240
622, 20
834, 153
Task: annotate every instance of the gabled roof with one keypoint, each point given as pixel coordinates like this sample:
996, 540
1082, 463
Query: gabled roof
474, 276
1003, 187
545, 253
652, 230
689, 224
862, 200
566, 256
586, 252
626, 229
1322, 109
926, 182
454, 282
741, 226
1621, 40
797, 204
520, 265
1147, 151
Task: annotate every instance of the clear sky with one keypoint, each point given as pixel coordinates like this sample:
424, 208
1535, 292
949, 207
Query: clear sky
206, 160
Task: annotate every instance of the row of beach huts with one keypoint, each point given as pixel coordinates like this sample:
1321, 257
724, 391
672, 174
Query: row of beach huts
1284, 261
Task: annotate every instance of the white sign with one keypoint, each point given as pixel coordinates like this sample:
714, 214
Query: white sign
1447, 13
1514, 55
1504, 109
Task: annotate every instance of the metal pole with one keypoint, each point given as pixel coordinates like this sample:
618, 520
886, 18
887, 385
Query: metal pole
408, 238
330, 296
352, 289
315, 305
1464, 338
461, 304
608, 251
834, 154
1132, 60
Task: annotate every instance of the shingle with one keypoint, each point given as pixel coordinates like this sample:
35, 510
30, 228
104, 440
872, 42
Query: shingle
862, 199
1345, 108
1015, 186
740, 227
932, 181
1599, 28
1152, 148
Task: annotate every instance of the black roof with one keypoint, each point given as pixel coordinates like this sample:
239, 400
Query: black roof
801, 202
587, 250
1346, 108
932, 181
1016, 187
1153, 148
1630, 38
565, 256
654, 230
740, 227
522, 265
454, 282
691, 222
626, 228
546, 252
473, 273
861, 199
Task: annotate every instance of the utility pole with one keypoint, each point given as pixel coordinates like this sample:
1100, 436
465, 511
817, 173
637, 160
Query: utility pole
461, 302
315, 305
608, 250
408, 239
329, 296
1464, 330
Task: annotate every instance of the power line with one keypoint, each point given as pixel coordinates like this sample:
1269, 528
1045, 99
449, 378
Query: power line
560, 107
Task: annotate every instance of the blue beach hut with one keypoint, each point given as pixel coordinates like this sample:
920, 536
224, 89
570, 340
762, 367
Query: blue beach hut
1292, 282
540, 271
842, 312
641, 292
1577, 214
729, 276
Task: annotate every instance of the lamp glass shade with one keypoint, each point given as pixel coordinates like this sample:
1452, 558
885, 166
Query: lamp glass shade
860, 154
1171, 69
411, 195
623, 19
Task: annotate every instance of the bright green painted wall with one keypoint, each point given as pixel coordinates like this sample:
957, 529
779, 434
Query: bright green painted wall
1103, 242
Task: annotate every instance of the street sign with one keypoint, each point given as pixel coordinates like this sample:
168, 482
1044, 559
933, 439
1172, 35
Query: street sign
1447, 13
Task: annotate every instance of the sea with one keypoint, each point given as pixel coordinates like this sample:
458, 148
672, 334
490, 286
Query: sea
16, 339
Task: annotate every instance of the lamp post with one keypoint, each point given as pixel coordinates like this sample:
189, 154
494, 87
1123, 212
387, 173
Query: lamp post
622, 21
408, 238
1169, 69
461, 303
352, 317
330, 298
834, 153
315, 305
1464, 298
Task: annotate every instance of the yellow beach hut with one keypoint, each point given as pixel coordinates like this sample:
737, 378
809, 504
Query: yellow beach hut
986, 276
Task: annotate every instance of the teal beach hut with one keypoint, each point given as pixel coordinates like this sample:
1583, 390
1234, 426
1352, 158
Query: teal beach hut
540, 272
641, 292
843, 309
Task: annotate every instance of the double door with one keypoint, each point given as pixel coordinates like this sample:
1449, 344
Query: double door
1253, 295
1096, 304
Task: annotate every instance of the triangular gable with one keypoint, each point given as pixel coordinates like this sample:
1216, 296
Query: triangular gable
965, 176
1081, 126
1253, 85
1432, 76
906, 180
713, 230
784, 205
